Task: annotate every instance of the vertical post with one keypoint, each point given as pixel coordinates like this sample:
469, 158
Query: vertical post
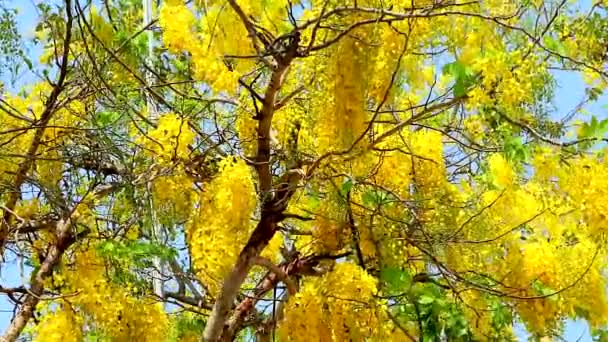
153, 115
147, 19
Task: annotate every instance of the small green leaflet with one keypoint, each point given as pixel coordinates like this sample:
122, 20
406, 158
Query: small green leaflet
594, 128
463, 76
515, 149
554, 45
137, 251
544, 290
374, 198
107, 117
396, 279
346, 187
426, 300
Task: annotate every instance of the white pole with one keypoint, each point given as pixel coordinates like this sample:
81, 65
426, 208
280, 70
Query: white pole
157, 283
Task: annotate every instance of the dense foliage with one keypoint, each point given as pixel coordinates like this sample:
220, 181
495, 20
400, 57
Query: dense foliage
305, 170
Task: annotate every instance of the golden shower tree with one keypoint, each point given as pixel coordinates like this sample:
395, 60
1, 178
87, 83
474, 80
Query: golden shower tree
314, 170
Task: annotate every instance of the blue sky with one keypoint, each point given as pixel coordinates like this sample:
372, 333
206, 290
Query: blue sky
570, 91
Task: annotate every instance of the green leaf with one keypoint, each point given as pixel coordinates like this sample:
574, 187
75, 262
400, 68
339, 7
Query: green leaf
374, 198
107, 117
346, 187
554, 45
107, 247
463, 77
599, 334
28, 62
138, 252
369, 198
501, 315
459, 89
593, 129
594, 93
33, 263
184, 325
455, 69
396, 279
314, 201
515, 149
425, 300
580, 312
430, 336
543, 290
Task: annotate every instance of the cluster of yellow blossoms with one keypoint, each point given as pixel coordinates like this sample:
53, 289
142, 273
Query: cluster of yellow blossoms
224, 222
18, 136
174, 196
339, 306
170, 140
95, 302
541, 232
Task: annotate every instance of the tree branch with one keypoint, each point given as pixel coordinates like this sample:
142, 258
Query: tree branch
64, 239
45, 117
267, 226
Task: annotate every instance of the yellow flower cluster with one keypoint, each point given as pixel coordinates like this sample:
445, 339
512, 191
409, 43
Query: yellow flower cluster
61, 325
558, 268
223, 224
170, 139
338, 306
475, 127
512, 75
270, 13
330, 226
293, 125
31, 106
99, 303
102, 28
501, 171
246, 127
585, 184
545, 163
178, 24
427, 156
543, 232
174, 196
219, 33
419, 161
345, 121
500, 8
28, 209
395, 171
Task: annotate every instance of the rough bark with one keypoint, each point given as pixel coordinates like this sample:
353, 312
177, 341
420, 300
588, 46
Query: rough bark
63, 240
266, 228
283, 55
260, 238
294, 268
